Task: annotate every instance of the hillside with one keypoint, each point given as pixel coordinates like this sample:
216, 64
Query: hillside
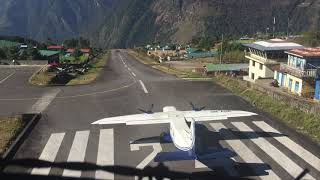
136, 21
125, 23
55, 19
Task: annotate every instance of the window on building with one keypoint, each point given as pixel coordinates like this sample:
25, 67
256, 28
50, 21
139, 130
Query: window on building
261, 66
253, 63
252, 76
298, 64
290, 84
296, 87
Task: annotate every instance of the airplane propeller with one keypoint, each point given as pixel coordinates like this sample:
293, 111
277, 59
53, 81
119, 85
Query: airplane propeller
194, 108
149, 111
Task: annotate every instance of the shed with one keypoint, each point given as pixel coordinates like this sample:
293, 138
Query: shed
51, 56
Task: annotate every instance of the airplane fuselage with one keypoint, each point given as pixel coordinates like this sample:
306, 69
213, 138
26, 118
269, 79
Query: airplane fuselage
181, 134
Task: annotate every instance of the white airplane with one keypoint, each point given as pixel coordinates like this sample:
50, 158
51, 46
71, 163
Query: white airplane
181, 134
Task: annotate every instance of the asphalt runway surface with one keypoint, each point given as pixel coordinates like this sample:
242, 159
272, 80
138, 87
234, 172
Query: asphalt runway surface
265, 149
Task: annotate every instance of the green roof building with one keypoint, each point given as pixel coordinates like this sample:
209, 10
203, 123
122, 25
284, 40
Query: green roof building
212, 68
51, 56
7, 44
198, 53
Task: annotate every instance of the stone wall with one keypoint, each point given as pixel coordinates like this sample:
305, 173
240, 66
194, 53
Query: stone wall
306, 105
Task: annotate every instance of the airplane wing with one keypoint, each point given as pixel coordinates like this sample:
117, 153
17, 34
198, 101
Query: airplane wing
137, 119
210, 115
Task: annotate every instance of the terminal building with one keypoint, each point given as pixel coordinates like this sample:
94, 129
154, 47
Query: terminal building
263, 56
300, 74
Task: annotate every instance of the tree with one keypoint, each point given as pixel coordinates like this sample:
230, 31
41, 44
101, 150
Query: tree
311, 38
23, 55
13, 53
3, 54
35, 55
70, 43
76, 53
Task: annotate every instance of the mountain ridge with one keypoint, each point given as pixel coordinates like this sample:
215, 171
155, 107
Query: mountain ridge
125, 23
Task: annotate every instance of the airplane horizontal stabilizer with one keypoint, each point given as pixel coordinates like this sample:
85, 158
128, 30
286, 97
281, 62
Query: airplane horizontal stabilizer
216, 154
147, 140
185, 155
173, 156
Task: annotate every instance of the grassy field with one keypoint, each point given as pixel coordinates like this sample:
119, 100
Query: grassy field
93, 72
305, 123
9, 128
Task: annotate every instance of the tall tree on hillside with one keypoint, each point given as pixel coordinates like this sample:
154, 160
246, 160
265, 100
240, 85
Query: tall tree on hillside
312, 38
76, 53
13, 53
2, 54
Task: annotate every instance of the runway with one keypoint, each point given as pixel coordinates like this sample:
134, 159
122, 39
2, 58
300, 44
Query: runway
265, 149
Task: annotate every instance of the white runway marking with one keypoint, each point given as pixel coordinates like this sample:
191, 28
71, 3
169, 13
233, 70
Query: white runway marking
143, 87
294, 147
44, 101
49, 153
156, 149
243, 151
129, 69
286, 163
133, 74
4, 79
77, 152
105, 153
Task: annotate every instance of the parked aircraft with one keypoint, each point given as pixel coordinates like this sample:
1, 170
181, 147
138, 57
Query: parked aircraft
182, 129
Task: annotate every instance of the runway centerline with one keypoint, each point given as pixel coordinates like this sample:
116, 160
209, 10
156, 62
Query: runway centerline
143, 87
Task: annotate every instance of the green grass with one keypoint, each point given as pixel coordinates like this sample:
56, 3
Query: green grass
42, 79
93, 72
9, 128
72, 59
305, 123
45, 78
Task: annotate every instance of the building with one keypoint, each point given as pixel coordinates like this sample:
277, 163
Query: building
299, 73
264, 55
51, 56
8, 44
236, 69
85, 52
198, 53
55, 47
70, 50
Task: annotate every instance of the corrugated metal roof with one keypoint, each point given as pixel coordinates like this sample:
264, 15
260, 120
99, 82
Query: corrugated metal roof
5, 43
226, 67
48, 53
274, 45
306, 52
